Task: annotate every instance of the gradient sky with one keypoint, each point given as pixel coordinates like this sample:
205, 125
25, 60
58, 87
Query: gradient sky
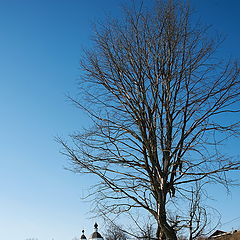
40, 48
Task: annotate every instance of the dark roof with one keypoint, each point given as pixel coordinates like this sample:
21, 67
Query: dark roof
83, 236
233, 235
217, 232
96, 235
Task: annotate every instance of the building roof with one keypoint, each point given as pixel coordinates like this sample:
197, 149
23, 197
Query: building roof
83, 236
233, 235
217, 233
96, 235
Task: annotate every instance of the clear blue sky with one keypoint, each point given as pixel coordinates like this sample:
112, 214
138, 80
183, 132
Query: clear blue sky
40, 47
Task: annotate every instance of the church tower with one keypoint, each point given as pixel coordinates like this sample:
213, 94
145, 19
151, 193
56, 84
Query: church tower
96, 235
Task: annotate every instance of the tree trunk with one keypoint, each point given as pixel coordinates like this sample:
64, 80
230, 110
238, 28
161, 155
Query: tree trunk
160, 235
164, 231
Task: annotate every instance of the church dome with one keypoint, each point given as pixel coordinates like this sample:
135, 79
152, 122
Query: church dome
83, 237
96, 235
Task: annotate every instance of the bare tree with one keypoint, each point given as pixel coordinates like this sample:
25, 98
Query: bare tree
197, 219
147, 232
114, 232
160, 104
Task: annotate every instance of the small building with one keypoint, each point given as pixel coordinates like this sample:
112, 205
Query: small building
94, 236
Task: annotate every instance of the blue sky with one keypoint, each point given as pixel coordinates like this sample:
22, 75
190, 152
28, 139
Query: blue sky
40, 48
